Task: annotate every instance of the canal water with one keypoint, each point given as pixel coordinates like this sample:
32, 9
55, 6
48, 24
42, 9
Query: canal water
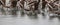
28, 20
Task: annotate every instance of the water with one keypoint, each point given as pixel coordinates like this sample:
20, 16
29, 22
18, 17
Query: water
26, 20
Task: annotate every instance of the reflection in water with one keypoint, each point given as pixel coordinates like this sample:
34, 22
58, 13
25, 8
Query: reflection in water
3, 11
58, 17
33, 17
51, 17
22, 13
29, 20
14, 11
55, 16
